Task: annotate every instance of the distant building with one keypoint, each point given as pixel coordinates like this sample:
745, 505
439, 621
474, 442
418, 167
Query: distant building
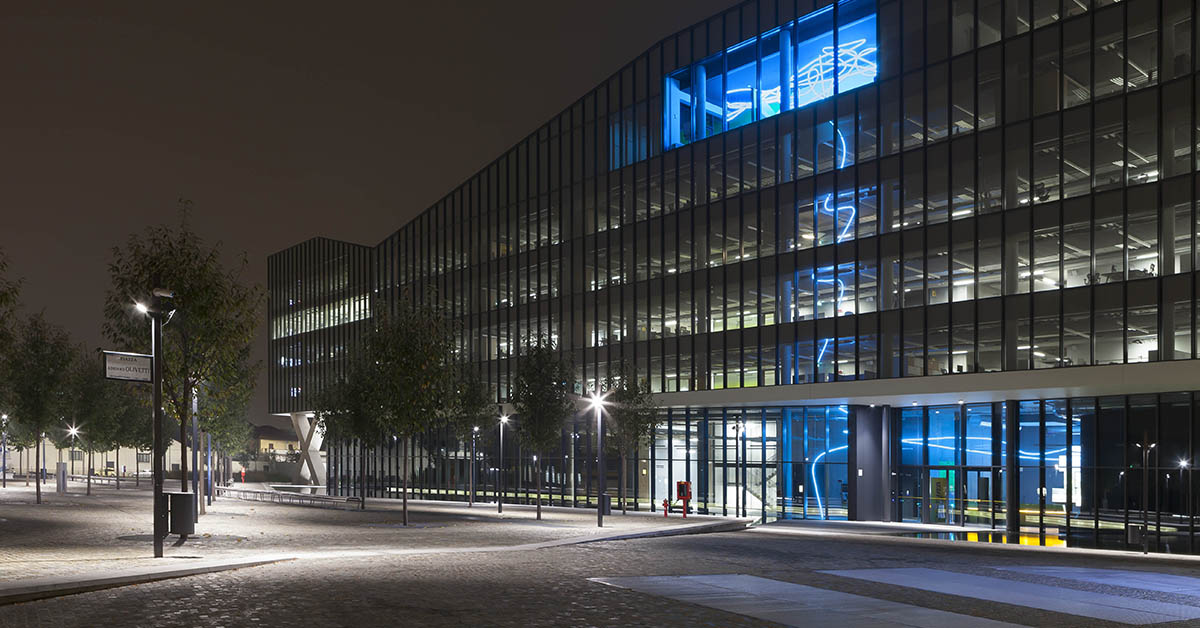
126, 461
275, 443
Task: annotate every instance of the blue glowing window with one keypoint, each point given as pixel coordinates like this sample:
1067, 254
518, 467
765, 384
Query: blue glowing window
740, 77
800, 63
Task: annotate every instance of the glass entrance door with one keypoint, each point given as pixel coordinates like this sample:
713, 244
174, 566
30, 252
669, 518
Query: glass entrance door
944, 496
978, 495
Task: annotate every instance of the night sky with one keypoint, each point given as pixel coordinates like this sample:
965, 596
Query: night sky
280, 121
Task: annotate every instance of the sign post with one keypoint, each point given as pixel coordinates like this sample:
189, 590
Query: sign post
137, 367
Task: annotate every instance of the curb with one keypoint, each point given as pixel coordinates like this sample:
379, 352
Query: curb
1185, 560
57, 586
701, 528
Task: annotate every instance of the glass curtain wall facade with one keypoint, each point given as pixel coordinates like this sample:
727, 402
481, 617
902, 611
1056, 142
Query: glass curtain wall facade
1009, 192
318, 307
798, 194
1080, 478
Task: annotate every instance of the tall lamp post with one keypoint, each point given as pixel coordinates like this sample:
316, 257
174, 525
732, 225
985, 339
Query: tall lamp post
155, 311
739, 501
4, 450
597, 403
1187, 486
1146, 447
471, 497
500, 468
73, 432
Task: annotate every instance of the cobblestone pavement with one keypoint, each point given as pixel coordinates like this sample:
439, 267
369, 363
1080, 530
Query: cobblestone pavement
550, 586
76, 533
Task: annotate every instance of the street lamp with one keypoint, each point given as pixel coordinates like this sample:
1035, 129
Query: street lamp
596, 402
500, 468
1186, 486
73, 432
155, 311
3, 451
1145, 494
739, 477
471, 497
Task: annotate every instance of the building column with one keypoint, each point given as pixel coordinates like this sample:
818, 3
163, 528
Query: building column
1166, 243
1012, 477
312, 468
1166, 330
868, 468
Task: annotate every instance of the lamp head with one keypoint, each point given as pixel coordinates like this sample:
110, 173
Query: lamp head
503, 418
141, 308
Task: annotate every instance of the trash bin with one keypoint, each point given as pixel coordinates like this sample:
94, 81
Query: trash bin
60, 478
606, 504
166, 514
183, 516
1136, 534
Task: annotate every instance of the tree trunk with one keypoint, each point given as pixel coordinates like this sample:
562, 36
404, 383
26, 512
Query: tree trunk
621, 476
538, 470
362, 474
184, 420
91, 456
37, 458
117, 467
404, 480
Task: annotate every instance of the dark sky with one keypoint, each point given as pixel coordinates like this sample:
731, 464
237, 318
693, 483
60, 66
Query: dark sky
279, 120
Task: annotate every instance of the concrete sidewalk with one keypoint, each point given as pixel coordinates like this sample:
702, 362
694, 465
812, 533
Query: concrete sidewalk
167, 568
74, 543
897, 533
55, 586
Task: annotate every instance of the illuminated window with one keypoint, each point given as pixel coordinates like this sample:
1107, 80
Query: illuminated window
761, 77
342, 312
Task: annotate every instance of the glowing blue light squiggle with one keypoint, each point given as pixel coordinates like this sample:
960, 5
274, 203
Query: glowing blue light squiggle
814, 81
1027, 455
837, 304
817, 485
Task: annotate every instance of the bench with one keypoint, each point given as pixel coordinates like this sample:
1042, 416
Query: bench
294, 499
96, 479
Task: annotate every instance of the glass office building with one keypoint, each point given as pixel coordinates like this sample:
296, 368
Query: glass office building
919, 260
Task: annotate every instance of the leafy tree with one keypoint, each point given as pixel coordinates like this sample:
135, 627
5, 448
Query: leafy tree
412, 353
397, 381
17, 437
102, 412
9, 291
207, 340
542, 395
223, 412
632, 415
38, 371
348, 408
473, 405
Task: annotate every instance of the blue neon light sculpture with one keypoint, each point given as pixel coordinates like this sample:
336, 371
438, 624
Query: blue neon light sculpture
834, 60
